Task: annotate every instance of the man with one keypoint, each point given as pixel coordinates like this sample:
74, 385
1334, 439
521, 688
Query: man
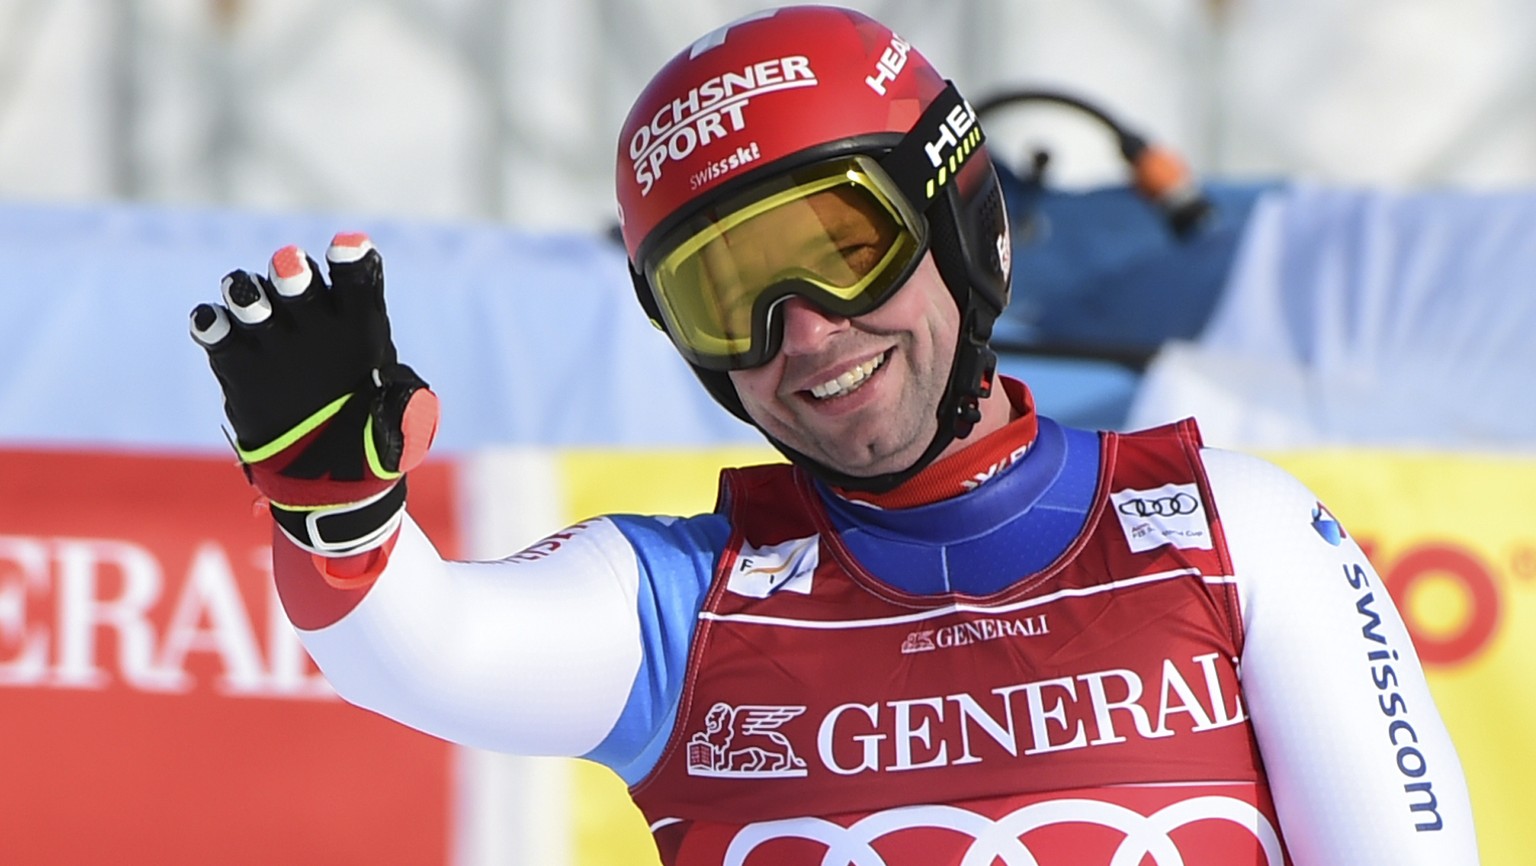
950, 630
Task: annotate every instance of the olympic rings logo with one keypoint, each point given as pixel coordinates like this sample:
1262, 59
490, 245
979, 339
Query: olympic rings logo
1002, 839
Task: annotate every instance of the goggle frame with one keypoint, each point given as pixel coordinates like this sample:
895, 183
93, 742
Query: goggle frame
677, 246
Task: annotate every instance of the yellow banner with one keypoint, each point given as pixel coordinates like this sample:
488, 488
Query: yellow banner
610, 831
1451, 535
1454, 540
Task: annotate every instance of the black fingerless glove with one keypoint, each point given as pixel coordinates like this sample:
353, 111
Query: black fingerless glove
326, 420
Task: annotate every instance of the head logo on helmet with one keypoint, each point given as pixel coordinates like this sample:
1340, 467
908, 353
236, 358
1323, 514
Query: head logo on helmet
792, 87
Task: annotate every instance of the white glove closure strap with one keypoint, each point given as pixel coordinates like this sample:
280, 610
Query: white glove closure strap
344, 530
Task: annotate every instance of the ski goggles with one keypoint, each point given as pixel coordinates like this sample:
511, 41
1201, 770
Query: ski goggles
839, 233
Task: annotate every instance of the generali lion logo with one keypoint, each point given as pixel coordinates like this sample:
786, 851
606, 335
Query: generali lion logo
744, 741
918, 642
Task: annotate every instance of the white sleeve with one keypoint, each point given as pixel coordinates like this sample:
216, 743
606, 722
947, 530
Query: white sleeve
1362, 769
534, 654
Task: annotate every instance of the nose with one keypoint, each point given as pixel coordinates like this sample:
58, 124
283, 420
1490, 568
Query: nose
807, 326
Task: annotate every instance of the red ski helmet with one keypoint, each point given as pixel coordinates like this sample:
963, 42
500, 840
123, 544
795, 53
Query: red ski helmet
776, 106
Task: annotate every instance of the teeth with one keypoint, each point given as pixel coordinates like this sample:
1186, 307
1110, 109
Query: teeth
848, 381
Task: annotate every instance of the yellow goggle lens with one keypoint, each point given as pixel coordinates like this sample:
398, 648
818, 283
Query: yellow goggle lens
836, 233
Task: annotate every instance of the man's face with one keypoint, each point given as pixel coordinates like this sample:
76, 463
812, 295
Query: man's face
858, 395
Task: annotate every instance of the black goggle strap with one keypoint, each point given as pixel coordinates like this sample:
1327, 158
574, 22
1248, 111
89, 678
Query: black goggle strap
931, 153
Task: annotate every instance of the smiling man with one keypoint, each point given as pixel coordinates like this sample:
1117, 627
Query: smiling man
949, 630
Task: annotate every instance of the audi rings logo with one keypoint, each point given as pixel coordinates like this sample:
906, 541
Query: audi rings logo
1171, 514
1002, 840
1162, 506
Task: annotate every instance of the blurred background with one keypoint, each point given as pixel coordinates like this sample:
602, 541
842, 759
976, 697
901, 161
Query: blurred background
508, 110
1351, 297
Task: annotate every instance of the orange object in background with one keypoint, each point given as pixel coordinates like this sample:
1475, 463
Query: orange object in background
156, 706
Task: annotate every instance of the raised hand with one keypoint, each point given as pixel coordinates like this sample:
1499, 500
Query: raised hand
325, 418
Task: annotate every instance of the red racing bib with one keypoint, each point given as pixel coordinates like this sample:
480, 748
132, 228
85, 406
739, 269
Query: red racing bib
1089, 715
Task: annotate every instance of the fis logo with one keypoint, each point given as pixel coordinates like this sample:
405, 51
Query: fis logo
787, 566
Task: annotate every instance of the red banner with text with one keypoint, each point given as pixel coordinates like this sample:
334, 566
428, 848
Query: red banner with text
157, 706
